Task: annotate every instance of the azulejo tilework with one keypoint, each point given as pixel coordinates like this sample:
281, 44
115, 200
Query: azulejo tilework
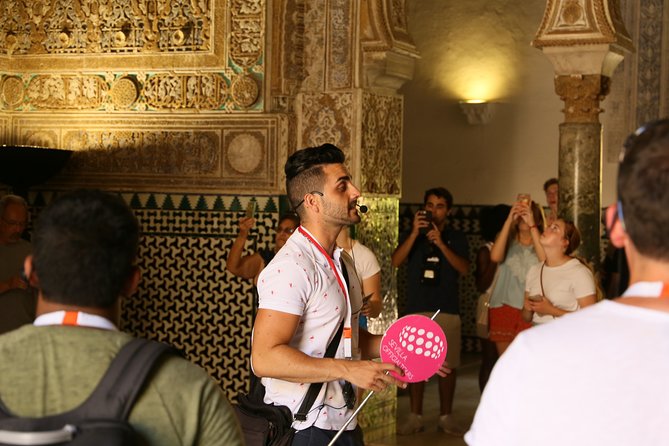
186, 298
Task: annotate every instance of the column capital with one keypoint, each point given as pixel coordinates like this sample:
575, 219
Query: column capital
582, 95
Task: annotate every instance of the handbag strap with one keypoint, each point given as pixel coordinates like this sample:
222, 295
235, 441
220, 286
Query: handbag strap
315, 388
541, 279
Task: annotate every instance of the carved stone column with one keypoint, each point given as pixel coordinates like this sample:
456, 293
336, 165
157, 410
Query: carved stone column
584, 40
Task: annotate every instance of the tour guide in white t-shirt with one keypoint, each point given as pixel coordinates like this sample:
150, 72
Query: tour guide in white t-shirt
599, 376
304, 298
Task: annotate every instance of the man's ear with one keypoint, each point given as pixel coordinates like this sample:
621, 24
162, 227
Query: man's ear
29, 271
617, 234
132, 283
311, 201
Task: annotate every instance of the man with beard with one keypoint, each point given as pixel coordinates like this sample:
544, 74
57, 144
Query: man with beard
436, 256
303, 300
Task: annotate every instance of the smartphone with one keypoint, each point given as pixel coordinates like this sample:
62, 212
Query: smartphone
523, 198
251, 209
536, 298
427, 215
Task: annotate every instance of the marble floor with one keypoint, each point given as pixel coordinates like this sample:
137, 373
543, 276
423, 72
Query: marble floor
464, 406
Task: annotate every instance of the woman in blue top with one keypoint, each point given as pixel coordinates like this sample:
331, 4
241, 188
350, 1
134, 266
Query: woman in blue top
516, 249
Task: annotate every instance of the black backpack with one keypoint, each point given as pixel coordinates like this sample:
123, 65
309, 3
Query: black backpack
101, 420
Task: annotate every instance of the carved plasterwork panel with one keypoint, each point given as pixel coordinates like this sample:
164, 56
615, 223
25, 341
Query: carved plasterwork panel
580, 22
235, 154
381, 148
132, 55
194, 91
326, 118
288, 53
384, 26
341, 62
105, 26
314, 45
650, 58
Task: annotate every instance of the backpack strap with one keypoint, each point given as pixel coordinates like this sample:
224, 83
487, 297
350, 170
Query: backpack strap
114, 396
121, 384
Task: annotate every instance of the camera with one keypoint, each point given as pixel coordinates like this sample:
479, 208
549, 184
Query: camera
426, 215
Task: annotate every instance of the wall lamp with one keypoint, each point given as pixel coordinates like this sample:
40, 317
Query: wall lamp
477, 111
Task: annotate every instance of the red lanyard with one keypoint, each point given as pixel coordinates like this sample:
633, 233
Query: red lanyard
329, 259
664, 294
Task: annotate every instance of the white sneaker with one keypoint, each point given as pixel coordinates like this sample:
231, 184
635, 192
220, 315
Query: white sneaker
449, 426
412, 425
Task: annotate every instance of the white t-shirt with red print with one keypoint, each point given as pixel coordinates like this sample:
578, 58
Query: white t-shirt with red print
300, 281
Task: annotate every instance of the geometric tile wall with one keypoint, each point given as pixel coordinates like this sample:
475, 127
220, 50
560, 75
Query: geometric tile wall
185, 297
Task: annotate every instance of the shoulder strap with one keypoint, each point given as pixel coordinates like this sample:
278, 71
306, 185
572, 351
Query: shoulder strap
121, 384
314, 388
113, 397
541, 279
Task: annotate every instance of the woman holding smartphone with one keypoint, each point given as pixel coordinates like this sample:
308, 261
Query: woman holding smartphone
562, 283
516, 249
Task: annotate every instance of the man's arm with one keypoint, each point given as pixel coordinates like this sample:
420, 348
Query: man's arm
460, 264
403, 250
273, 357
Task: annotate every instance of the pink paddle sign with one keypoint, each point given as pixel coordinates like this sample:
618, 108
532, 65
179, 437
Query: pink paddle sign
417, 345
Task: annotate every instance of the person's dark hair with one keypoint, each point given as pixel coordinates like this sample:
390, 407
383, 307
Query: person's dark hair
643, 189
292, 216
440, 192
492, 219
84, 247
304, 171
549, 182
538, 216
572, 235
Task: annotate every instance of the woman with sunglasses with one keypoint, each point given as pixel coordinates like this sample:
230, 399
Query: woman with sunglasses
562, 283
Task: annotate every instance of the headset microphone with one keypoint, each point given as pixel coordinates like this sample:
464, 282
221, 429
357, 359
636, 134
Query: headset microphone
362, 208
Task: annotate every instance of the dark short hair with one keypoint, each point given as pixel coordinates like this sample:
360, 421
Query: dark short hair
491, 220
304, 171
440, 192
643, 188
84, 247
549, 182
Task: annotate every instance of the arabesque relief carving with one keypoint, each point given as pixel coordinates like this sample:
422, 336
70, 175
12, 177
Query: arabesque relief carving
140, 46
582, 95
131, 91
327, 118
104, 26
165, 152
381, 151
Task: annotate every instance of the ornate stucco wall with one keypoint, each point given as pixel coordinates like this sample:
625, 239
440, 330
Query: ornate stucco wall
188, 110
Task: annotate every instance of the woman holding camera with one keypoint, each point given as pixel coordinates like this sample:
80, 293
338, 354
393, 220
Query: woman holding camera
516, 249
562, 283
